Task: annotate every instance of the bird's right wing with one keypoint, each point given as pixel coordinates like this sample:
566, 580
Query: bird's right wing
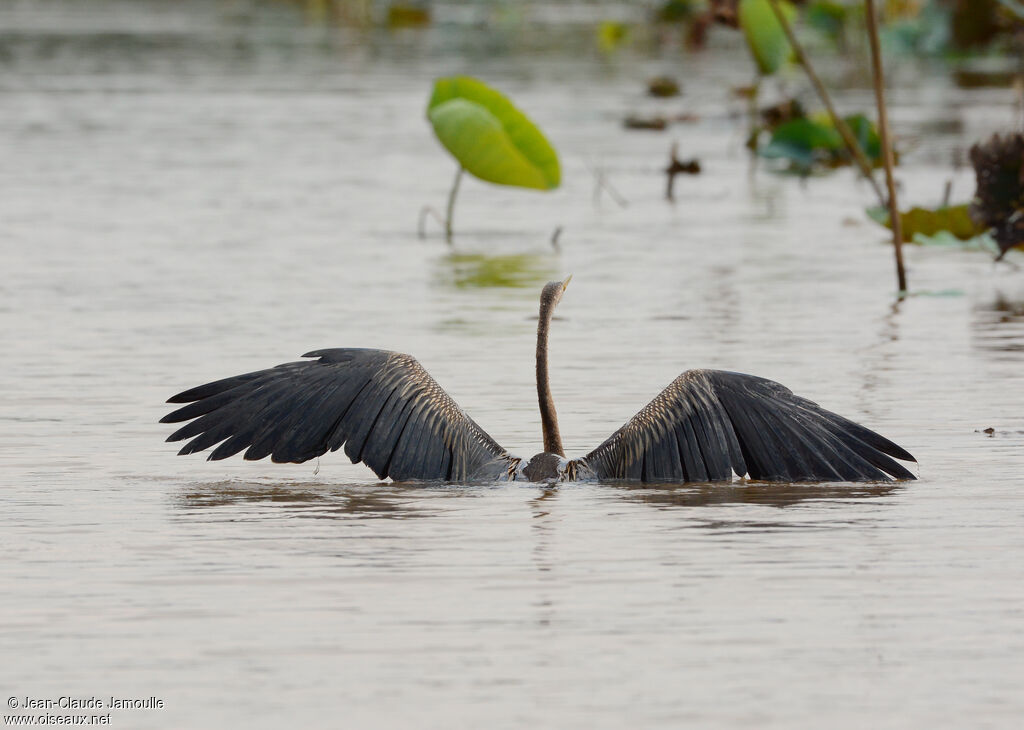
709, 423
383, 406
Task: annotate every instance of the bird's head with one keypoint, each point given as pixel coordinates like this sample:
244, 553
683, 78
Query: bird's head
552, 293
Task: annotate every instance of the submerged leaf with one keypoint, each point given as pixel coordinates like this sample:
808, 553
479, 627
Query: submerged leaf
932, 226
765, 36
490, 137
878, 214
956, 219
945, 239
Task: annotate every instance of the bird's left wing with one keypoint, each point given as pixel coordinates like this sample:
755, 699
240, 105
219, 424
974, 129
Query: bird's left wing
708, 424
383, 406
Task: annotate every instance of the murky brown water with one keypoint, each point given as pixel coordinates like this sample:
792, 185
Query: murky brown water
187, 194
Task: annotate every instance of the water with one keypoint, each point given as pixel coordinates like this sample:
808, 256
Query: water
190, 192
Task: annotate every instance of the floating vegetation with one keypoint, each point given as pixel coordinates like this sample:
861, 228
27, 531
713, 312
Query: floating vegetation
408, 15
977, 23
950, 225
676, 11
829, 18
999, 198
784, 111
866, 134
612, 35
767, 26
803, 143
656, 124
806, 143
979, 73
678, 167
663, 87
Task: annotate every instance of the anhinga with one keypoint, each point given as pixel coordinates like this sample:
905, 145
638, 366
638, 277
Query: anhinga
389, 413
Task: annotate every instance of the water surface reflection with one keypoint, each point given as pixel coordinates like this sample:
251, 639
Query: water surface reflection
476, 271
999, 324
753, 493
402, 501
299, 500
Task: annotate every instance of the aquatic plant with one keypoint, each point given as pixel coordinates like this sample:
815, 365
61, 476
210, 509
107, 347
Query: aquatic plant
999, 199
678, 167
765, 33
802, 143
933, 225
612, 35
662, 86
847, 134
489, 138
766, 40
767, 26
829, 18
808, 142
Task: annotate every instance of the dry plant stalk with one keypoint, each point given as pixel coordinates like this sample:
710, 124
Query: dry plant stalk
883, 134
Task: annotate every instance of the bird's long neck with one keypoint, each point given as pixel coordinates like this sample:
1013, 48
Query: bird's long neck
548, 417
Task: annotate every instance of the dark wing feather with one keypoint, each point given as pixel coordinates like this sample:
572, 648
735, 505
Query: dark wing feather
708, 424
382, 406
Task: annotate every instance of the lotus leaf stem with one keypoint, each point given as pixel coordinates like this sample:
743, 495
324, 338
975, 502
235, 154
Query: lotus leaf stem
451, 205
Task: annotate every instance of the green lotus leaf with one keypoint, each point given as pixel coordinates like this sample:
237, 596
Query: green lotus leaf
489, 137
828, 16
764, 34
803, 142
866, 134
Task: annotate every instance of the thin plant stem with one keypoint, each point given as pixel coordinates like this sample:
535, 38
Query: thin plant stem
451, 205
614, 194
852, 146
421, 224
755, 91
752, 127
555, 235
883, 134
601, 183
1018, 86
677, 167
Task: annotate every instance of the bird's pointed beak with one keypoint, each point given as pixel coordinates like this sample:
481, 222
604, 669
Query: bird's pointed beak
565, 284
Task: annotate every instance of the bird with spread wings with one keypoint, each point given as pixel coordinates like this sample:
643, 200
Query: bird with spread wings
390, 414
